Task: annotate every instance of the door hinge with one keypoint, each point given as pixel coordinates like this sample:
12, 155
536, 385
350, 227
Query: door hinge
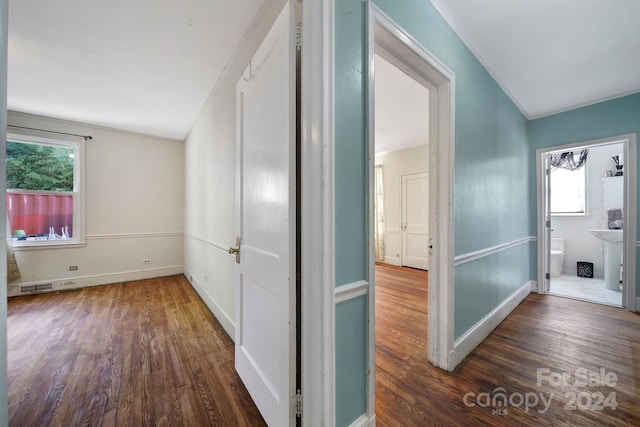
298, 403
299, 36
547, 276
547, 224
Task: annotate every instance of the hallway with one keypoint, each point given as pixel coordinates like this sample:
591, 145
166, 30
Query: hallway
545, 337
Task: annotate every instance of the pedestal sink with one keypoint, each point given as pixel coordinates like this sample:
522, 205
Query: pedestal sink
612, 249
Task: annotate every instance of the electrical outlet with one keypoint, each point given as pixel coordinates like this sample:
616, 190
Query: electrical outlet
73, 268
146, 261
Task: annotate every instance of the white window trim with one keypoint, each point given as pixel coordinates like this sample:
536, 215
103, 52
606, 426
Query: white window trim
78, 239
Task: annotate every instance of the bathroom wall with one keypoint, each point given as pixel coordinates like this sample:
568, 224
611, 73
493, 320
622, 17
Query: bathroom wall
603, 120
580, 244
394, 165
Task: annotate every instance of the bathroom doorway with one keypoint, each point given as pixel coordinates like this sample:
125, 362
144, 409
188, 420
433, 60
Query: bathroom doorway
587, 208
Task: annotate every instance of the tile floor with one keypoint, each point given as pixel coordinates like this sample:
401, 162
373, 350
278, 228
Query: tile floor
584, 289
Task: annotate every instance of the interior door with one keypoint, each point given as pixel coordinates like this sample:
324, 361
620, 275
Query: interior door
266, 223
546, 287
415, 220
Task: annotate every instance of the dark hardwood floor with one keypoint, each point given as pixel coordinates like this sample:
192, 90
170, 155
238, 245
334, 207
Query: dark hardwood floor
571, 361
145, 353
150, 353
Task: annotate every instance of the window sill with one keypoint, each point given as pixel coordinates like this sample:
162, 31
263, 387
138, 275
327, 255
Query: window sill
44, 244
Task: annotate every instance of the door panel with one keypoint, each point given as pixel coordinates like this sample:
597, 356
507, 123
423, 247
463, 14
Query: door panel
265, 276
415, 220
546, 286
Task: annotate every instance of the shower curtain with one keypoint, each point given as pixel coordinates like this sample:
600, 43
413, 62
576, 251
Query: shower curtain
379, 215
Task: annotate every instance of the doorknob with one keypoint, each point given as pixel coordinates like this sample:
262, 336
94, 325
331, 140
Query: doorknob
236, 250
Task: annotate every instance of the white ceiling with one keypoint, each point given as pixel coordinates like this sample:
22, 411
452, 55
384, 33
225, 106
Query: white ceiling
553, 55
149, 65
141, 65
402, 109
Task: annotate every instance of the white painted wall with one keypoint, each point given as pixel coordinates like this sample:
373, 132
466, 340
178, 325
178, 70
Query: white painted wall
133, 209
394, 165
210, 183
580, 244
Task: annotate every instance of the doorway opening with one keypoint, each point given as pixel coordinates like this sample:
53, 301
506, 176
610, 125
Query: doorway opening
587, 204
401, 224
428, 181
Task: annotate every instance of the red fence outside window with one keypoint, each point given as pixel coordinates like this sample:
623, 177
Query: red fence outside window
36, 213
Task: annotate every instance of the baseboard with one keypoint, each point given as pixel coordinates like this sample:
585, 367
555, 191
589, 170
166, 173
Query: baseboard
638, 305
392, 260
364, 421
227, 323
534, 286
64, 284
474, 336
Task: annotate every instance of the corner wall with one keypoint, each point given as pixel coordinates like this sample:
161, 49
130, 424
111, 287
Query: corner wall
133, 209
210, 202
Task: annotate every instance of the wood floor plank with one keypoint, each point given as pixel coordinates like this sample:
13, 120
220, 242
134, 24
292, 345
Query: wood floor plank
131, 354
543, 332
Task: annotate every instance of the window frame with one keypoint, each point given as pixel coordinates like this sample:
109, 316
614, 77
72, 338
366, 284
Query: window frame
584, 193
78, 147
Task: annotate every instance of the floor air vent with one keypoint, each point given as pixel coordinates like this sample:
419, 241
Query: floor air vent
27, 289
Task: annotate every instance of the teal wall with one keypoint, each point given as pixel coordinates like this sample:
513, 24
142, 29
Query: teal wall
350, 144
494, 187
606, 119
350, 209
491, 204
351, 353
491, 200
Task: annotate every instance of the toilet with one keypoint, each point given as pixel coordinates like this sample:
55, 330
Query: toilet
557, 256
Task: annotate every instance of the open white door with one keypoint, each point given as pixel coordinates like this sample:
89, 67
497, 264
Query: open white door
415, 220
266, 224
546, 245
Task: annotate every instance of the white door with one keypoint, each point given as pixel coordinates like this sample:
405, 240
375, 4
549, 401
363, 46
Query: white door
415, 220
546, 287
266, 187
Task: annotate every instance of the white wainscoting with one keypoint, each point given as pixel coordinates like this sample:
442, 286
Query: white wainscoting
579, 243
78, 282
106, 259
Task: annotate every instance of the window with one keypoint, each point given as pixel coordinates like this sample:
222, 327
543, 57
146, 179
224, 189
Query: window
568, 191
44, 203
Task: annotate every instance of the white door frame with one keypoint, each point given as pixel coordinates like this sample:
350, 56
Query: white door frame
390, 41
318, 207
317, 214
629, 213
